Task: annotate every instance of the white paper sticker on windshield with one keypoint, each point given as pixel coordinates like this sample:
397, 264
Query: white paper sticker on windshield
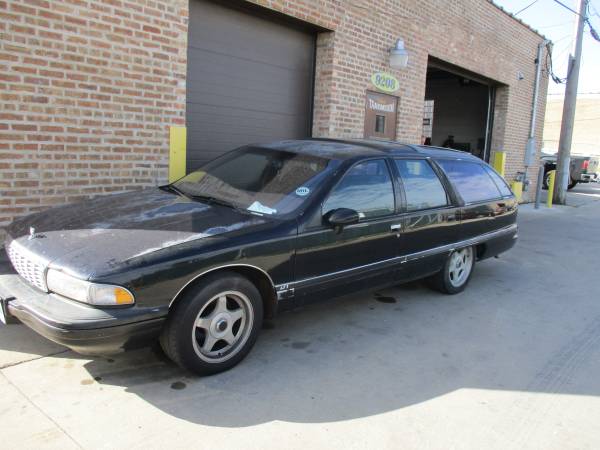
260, 208
302, 191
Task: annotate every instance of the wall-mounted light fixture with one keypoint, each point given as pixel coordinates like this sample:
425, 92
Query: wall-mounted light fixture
398, 55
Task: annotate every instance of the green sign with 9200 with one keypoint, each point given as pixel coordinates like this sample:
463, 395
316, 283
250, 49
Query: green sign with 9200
385, 82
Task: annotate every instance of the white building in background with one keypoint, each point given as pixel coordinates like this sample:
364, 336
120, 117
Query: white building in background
586, 134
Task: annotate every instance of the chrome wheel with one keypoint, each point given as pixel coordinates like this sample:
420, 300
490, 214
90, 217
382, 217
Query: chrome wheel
223, 326
461, 264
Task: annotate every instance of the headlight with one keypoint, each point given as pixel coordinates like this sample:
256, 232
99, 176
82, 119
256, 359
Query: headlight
84, 291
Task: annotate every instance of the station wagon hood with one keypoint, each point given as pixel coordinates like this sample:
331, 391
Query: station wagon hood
101, 234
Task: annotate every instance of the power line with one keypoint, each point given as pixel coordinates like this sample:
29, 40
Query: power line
527, 7
567, 7
593, 32
576, 120
549, 69
557, 25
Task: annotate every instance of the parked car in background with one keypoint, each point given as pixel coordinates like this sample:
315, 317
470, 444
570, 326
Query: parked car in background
200, 263
582, 169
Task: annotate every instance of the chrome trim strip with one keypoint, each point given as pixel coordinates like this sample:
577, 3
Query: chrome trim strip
411, 257
217, 268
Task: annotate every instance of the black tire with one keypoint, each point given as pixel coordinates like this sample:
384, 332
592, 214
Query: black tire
571, 185
183, 339
545, 181
442, 281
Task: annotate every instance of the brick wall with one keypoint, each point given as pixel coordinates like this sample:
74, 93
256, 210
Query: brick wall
473, 34
87, 92
89, 88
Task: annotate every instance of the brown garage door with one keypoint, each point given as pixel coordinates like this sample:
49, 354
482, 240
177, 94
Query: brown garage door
249, 80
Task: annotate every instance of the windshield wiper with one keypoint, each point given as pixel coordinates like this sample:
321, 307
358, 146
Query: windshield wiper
172, 188
216, 201
204, 198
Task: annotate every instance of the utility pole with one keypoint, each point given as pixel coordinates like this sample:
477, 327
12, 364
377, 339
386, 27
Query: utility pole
568, 117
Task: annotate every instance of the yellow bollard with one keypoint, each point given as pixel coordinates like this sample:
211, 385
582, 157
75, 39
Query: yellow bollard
552, 176
517, 188
177, 153
499, 162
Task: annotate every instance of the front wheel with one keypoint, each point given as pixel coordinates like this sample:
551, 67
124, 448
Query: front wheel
214, 326
456, 273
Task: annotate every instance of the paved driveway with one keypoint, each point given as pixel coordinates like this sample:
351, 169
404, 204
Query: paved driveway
513, 362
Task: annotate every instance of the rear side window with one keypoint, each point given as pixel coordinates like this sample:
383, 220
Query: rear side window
500, 182
422, 186
471, 180
366, 188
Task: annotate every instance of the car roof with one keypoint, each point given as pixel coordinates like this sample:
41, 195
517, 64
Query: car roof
361, 148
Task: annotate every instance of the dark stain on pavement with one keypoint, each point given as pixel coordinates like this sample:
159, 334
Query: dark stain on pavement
384, 298
178, 385
300, 345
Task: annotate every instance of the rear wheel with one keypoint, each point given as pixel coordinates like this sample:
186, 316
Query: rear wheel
214, 326
456, 273
546, 182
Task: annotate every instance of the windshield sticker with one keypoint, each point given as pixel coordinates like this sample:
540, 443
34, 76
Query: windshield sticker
302, 191
260, 208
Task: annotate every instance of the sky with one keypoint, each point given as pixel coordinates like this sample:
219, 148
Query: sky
558, 25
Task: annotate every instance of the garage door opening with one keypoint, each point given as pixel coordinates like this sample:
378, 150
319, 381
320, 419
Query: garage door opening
250, 78
458, 110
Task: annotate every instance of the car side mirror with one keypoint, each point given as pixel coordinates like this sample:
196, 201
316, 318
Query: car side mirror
341, 217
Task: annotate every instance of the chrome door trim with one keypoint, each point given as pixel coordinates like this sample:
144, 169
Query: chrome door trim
405, 258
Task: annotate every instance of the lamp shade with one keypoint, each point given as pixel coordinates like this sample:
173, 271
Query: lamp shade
398, 56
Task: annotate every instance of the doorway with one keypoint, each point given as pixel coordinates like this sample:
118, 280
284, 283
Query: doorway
458, 110
381, 111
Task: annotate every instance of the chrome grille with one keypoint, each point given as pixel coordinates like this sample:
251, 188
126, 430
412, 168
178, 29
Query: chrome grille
28, 265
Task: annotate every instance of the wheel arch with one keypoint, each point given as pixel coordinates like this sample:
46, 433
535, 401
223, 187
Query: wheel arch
261, 279
480, 251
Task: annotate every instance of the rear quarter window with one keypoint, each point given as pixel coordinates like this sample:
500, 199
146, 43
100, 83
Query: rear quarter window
471, 180
500, 182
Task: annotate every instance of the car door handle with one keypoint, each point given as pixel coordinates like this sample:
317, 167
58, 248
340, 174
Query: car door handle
396, 227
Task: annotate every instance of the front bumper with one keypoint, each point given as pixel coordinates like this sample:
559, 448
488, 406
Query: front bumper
82, 328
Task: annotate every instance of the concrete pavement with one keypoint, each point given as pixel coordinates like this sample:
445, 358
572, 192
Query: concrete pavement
513, 362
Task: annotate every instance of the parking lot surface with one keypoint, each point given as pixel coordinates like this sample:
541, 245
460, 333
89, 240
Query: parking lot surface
511, 363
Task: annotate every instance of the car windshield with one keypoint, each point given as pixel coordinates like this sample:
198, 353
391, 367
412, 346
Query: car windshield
259, 180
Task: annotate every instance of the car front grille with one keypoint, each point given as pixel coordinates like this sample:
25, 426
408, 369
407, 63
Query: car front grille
28, 265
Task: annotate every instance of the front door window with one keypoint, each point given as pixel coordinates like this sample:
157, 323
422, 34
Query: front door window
366, 188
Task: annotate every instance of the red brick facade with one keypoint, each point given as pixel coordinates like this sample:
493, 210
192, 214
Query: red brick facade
89, 88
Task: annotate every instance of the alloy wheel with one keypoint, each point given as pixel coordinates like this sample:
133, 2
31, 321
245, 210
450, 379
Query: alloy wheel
222, 326
461, 264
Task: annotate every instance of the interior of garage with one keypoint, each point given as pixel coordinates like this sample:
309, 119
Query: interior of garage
249, 78
457, 110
